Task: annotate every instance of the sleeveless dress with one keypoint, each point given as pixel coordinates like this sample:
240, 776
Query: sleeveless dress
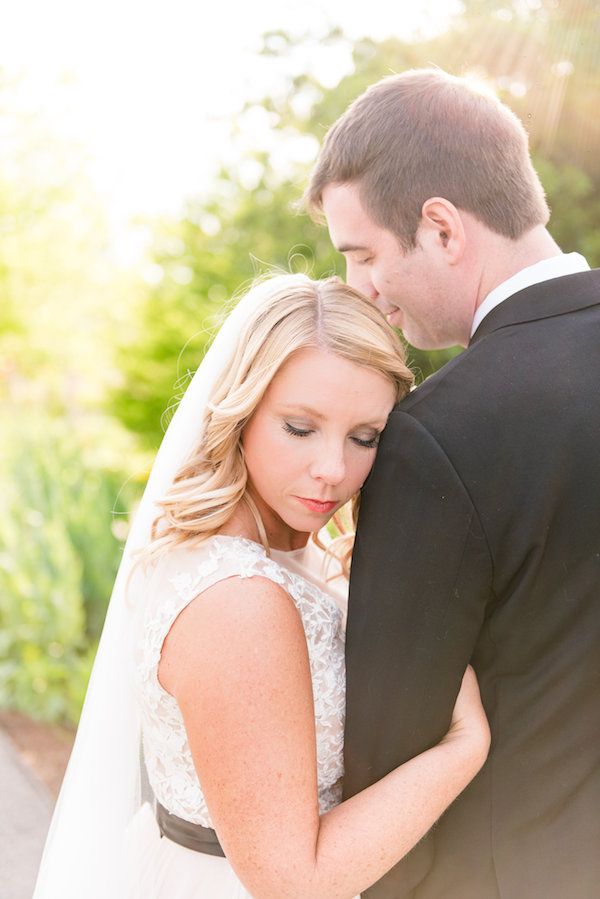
161, 868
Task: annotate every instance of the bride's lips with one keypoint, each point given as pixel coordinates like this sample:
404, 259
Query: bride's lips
316, 505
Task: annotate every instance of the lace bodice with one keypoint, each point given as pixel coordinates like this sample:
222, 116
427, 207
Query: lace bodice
167, 589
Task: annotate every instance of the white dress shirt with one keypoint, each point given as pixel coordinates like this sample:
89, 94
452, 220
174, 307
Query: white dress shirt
555, 267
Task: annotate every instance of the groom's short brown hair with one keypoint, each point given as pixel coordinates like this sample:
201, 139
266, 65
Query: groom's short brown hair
423, 134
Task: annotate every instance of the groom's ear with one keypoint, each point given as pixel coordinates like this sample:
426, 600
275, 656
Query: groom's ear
442, 229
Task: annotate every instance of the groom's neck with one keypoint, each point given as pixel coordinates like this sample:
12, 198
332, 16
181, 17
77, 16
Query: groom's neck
501, 258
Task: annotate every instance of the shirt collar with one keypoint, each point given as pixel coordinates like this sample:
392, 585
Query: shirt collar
555, 267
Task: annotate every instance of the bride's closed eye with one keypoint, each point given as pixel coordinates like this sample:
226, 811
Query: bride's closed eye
369, 443
296, 432
364, 442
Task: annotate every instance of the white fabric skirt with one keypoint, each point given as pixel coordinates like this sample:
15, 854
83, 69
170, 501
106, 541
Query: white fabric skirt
162, 869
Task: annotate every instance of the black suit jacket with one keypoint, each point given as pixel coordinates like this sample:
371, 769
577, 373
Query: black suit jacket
479, 540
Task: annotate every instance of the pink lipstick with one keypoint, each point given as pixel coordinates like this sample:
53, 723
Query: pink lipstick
316, 506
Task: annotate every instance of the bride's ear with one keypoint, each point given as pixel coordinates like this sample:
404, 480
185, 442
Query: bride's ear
442, 229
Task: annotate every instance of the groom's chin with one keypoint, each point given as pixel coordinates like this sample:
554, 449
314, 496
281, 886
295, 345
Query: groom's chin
417, 339
426, 342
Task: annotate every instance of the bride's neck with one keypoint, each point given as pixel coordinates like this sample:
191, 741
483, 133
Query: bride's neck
243, 524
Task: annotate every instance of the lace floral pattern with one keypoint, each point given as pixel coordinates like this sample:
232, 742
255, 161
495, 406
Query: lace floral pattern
167, 753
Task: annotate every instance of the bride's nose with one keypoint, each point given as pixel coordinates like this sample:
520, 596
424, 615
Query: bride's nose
329, 466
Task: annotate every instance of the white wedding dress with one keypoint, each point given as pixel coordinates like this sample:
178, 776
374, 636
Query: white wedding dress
161, 868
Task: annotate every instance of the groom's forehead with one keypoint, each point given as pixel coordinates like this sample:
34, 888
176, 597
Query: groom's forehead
342, 198
350, 226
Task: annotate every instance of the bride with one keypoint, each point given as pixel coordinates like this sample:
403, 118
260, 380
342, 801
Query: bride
208, 761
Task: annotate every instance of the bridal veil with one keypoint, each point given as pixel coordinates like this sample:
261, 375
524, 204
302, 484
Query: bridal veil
85, 854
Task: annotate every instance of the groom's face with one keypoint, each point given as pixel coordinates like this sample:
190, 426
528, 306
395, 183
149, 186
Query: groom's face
413, 290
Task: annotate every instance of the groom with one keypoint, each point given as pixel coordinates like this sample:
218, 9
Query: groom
479, 536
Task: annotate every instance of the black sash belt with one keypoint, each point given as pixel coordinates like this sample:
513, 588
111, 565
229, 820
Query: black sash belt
192, 836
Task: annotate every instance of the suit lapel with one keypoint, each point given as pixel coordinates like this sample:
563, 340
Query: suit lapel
549, 298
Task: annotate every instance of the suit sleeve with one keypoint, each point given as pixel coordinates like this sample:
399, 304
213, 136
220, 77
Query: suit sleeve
420, 584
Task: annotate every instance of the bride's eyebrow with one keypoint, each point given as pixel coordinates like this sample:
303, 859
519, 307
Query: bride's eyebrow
376, 425
306, 409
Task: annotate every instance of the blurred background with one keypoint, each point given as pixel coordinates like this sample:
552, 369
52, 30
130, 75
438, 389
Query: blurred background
150, 156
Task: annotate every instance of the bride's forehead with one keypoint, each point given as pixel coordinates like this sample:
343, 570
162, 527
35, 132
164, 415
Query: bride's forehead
313, 367
325, 381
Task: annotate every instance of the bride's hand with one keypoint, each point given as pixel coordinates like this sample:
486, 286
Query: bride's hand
469, 727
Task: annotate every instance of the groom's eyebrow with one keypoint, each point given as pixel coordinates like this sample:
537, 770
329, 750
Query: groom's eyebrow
350, 247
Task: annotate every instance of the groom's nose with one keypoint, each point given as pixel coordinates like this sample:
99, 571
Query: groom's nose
359, 279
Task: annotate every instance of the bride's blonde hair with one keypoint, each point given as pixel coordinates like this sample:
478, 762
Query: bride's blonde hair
292, 312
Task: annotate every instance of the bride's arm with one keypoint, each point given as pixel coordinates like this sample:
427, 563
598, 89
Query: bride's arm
236, 661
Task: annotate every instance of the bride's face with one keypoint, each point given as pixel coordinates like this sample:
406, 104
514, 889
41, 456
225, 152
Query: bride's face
312, 441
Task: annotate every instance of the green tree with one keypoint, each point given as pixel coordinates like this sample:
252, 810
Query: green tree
60, 477
202, 263
60, 544
62, 293
540, 56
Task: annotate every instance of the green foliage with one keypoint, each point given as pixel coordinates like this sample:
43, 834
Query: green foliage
67, 313
575, 208
548, 73
204, 261
58, 558
61, 292
222, 243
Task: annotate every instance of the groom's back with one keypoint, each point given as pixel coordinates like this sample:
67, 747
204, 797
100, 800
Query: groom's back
533, 470
515, 422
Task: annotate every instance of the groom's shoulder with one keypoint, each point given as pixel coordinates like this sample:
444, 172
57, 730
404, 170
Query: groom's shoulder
474, 386
449, 385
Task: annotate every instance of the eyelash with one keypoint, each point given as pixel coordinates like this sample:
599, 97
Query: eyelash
367, 444
296, 432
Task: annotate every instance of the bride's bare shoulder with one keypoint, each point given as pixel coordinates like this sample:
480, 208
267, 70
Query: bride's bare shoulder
233, 618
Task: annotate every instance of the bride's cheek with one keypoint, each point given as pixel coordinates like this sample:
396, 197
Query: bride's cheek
367, 469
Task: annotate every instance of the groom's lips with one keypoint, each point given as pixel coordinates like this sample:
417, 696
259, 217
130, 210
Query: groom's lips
395, 317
